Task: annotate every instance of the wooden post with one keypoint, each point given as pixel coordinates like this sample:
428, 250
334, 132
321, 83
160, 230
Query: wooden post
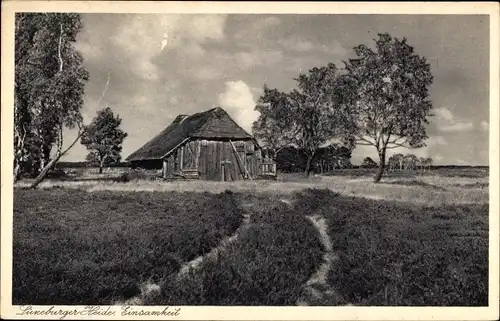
164, 168
197, 156
239, 160
223, 170
182, 158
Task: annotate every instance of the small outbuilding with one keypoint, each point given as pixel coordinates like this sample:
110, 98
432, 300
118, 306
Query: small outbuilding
209, 145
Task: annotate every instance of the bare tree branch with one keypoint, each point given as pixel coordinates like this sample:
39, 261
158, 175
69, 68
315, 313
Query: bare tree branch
361, 138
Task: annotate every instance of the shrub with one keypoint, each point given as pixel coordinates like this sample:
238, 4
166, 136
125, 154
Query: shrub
136, 174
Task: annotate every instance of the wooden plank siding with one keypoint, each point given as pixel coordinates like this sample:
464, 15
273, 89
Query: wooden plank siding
215, 160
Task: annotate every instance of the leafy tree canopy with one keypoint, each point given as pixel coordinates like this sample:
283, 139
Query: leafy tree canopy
104, 138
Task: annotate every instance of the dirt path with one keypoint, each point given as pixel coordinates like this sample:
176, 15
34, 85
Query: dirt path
317, 291
195, 265
149, 290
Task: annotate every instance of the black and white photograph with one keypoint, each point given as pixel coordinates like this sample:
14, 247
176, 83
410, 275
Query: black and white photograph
174, 159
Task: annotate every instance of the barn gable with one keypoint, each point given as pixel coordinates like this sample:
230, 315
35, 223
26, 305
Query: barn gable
211, 124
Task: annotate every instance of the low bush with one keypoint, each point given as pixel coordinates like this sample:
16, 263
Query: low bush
134, 174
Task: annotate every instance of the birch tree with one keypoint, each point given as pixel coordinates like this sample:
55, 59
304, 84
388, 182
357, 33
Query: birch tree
50, 82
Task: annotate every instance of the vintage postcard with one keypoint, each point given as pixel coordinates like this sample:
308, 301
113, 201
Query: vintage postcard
250, 161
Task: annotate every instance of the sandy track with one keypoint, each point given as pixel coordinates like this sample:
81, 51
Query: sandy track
317, 291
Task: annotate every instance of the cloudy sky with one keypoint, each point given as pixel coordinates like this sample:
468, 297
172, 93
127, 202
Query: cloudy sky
224, 60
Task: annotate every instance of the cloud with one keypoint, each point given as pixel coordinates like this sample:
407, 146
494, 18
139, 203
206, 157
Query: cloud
208, 72
485, 126
257, 28
141, 38
238, 101
457, 127
302, 46
444, 114
446, 122
90, 52
436, 141
247, 60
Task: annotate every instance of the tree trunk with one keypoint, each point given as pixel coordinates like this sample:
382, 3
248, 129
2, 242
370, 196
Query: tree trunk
44, 171
42, 164
101, 165
58, 156
381, 166
308, 165
17, 171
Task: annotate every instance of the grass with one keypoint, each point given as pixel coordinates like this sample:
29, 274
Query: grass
74, 247
425, 189
400, 255
269, 264
408, 241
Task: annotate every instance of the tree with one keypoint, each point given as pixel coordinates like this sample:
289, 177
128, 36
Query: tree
410, 162
314, 109
396, 161
424, 163
306, 117
332, 156
385, 95
428, 163
49, 88
275, 117
104, 138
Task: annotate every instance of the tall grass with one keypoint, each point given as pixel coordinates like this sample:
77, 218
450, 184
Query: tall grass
396, 254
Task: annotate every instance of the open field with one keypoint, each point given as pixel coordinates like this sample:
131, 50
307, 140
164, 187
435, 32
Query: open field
411, 240
455, 185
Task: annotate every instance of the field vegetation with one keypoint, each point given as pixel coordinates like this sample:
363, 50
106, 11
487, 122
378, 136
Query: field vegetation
74, 247
410, 240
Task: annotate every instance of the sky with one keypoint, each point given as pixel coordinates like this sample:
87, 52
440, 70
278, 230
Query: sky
149, 68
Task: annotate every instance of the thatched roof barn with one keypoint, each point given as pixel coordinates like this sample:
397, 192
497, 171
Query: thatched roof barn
207, 145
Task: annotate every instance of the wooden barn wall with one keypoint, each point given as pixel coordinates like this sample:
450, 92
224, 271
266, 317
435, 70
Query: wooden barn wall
208, 155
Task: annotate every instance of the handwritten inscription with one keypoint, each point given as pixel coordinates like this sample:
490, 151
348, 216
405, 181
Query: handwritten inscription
95, 311
138, 312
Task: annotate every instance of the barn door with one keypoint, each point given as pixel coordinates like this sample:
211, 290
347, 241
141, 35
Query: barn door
227, 171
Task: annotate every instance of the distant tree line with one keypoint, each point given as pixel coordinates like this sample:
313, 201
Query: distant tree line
291, 159
400, 162
409, 162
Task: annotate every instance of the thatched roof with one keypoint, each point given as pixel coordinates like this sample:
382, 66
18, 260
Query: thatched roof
211, 124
